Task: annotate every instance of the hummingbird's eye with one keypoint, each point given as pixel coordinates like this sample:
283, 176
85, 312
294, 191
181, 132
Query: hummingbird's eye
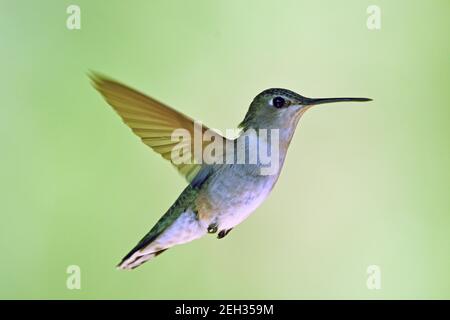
278, 102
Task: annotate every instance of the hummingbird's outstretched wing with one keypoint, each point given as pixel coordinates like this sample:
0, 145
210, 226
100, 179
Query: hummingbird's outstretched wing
153, 121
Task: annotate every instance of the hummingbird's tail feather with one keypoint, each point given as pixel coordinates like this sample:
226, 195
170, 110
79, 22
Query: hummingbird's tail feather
172, 229
135, 260
148, 247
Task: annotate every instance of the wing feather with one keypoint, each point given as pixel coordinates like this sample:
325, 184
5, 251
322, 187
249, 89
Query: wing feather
152, 121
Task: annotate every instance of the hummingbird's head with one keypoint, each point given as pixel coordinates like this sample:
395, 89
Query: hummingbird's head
281, 108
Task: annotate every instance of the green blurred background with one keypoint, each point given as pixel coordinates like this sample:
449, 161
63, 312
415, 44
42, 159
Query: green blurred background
364, 184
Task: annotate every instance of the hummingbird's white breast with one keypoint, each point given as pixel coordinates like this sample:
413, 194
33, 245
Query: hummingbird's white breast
234, 194
234, 191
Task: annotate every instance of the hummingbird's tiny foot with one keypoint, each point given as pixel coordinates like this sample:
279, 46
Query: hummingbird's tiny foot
212, 228
223, 233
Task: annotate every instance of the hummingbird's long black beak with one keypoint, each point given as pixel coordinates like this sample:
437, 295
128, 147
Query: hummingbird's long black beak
313, 101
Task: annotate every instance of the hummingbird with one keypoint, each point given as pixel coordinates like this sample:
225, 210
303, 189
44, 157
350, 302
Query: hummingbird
218, 197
